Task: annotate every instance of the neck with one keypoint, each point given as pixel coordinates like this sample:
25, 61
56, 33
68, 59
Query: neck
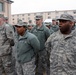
66, 33
23, 33
39, 25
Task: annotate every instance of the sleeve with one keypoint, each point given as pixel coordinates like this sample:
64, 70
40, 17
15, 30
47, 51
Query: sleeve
9, 34
48, 46
47, 33
35, 44
9, 31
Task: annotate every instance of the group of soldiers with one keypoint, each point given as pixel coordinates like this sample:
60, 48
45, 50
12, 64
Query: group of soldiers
53, 26
38, 50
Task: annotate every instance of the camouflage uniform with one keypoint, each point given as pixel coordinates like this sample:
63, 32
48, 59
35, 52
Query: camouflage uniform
62, 50
27, 68
6, 43
13, 47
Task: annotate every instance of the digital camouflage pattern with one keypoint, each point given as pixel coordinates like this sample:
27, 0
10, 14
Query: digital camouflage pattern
6, 43
62, 50
26, 68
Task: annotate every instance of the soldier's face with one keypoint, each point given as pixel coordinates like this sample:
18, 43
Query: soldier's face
65, 26
53, 22
38, 21
30, 27
20, 30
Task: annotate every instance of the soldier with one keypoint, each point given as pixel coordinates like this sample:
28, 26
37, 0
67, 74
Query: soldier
27, 46
12, 28
62, 47
6, 43
42, 33
30, 27
7, 24
54, 26
48, 25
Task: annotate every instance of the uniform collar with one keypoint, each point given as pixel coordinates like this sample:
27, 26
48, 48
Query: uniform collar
73, 32
41, 28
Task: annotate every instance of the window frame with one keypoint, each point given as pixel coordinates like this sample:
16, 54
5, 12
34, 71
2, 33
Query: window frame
1, 6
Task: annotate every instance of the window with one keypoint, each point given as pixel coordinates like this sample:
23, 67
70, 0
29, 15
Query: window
13, 18
49, 17
34, 13
22, 18
1, 6
74, 12
22, 14
28, 14
65, 12
48, 13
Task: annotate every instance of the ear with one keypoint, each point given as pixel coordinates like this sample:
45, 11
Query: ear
72, 23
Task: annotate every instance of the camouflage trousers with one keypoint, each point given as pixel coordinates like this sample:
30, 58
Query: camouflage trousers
60, 72
26, 68
42, 63
6, 66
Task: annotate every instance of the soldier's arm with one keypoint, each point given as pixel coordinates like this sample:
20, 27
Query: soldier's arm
47, 33
9, 34
35, 44
48, 47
